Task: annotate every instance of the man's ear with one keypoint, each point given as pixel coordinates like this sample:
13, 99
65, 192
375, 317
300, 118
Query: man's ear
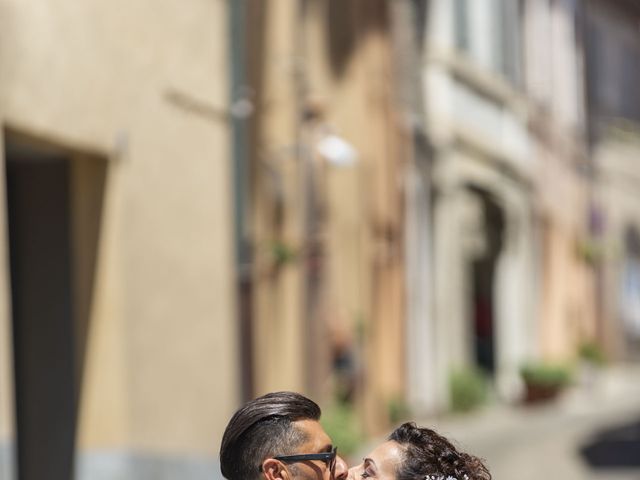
272, 469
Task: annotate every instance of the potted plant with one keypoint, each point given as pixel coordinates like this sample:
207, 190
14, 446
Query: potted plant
591, 353
544, 381
468, 388
591, 361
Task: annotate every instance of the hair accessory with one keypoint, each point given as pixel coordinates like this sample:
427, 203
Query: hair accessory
442, 477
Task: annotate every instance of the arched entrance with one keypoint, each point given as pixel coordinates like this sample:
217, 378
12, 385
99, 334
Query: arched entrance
484, 229
482, 274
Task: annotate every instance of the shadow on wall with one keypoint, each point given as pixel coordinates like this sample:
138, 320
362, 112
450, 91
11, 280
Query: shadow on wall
346, 22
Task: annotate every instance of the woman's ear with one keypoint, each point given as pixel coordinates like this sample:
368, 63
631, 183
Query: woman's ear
272, 469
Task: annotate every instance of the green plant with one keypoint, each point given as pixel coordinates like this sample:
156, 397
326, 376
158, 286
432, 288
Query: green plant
592, 353
546, 375
342, 424
590, 251
544, 381
282, 253
397, 409
468, 388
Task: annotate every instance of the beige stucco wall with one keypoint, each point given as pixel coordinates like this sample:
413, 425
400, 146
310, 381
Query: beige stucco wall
277, 309
365, 260
360, 297
144, 85
565, 278
567, 311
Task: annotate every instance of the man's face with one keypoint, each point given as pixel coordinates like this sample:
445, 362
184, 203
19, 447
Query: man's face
317, 442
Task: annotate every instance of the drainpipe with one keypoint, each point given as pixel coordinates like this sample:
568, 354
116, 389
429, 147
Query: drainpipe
241, 109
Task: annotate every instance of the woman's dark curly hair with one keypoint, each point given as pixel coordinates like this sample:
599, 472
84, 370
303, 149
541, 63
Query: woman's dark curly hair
427, 453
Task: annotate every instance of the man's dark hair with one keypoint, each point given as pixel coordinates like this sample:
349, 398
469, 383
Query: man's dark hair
261, 429
427, 453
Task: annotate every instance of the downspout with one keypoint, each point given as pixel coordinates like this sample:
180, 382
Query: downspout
241, 109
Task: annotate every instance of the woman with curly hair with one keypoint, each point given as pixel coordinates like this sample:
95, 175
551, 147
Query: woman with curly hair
413, 453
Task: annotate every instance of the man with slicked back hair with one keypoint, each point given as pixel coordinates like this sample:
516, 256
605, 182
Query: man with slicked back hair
278, 437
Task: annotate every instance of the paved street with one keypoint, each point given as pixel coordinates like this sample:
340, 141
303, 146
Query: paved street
545, 442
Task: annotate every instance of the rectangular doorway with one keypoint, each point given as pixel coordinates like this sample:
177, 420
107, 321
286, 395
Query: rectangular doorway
38, 211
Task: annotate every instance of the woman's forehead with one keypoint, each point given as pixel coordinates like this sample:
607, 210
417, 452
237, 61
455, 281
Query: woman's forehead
387, 456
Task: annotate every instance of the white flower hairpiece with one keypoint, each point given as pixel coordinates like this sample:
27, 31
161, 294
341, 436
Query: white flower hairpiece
442, 477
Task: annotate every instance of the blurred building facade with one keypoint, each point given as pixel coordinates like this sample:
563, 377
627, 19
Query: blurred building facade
554, 83
326, 261
116, 298
612, 74
352, 199
535, 103
487, 165
483, 176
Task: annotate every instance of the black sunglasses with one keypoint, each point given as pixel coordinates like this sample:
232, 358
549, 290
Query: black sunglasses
328, 457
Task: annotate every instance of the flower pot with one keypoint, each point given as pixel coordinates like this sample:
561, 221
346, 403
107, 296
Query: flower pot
535, 393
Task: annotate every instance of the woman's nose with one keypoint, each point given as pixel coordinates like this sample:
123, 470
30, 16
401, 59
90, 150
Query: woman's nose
341, 470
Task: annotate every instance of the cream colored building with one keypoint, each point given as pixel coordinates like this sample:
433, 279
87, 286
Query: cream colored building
117, 330
484, 288
503, 95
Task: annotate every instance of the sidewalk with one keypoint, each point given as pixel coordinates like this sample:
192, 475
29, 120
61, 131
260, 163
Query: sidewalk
544, 442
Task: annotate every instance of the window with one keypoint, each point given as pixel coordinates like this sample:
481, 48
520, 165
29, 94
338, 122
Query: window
613, 59
462, 25
488, 32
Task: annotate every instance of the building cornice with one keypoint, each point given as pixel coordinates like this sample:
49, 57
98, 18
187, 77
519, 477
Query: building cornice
486, 82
